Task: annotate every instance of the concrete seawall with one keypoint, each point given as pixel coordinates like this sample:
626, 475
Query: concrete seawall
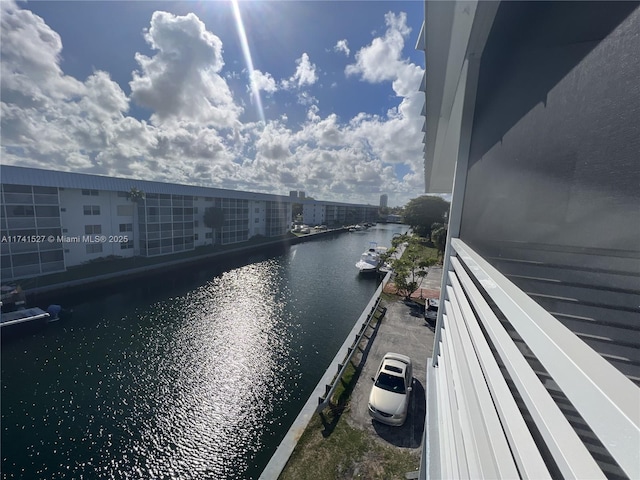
281, 456
130, 273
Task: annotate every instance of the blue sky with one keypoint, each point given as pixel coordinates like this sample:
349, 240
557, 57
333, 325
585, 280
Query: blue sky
164, 91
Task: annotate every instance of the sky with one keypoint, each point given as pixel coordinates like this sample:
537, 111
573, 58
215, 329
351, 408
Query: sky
263, 96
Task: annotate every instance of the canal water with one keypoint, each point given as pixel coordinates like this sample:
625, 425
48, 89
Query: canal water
193, 375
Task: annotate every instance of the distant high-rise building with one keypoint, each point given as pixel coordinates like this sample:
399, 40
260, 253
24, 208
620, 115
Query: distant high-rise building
296, 194
384, 200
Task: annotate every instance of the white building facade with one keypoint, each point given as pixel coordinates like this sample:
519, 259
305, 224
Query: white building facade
334, 214
53, 220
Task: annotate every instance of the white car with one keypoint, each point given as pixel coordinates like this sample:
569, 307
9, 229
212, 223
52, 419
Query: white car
391, 391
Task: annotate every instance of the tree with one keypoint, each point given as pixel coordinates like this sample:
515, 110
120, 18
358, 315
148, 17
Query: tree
411, 267
439, 237
422, 212
213, 218
436, 226
136, 196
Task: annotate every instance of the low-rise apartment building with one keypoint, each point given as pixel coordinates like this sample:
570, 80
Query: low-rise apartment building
334, 214
51, 220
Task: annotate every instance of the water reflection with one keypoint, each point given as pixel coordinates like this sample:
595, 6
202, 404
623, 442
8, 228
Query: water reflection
215, 378
202, 384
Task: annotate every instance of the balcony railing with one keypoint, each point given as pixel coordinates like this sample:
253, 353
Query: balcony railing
516, 393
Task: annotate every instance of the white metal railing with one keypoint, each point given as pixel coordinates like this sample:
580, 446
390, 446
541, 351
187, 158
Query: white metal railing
481, 430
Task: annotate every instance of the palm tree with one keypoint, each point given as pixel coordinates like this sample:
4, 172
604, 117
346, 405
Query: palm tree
213, 218
136, 196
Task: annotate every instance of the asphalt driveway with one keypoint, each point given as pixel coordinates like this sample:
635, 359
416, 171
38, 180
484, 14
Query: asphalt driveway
402, 330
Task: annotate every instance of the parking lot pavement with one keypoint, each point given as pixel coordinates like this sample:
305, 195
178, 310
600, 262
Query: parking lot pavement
433, 279
402, 330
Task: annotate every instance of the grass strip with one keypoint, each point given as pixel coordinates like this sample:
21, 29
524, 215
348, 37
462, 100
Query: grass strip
346, 453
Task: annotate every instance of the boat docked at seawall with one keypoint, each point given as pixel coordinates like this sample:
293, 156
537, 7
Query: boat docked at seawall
23, 316
370, 260
13, 309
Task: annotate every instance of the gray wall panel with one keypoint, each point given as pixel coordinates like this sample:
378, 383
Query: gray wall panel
556, 138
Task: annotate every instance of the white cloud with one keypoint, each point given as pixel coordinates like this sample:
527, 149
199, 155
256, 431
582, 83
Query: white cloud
51, 120
305, 99
398, 138
306, 71
342, 46
182, 80
263, 81
31, 75
381, 60
305, 74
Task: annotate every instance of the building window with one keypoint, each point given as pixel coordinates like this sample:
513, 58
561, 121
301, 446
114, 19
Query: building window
20, 211
90, 193
17, 188
208, 235
126, 245
91, 209
126, 227
46, 190
92, 229
25, 259
208, 199
257, 210
94, 248
125, 210
195, 209
256, 220
46, 211
63, 209
195, 236
123, 194
195, 224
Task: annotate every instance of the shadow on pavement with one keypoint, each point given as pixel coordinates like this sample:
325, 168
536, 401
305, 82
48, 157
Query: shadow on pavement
408, 435
416, 309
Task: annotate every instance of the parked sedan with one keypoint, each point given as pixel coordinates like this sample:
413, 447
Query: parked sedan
390, 394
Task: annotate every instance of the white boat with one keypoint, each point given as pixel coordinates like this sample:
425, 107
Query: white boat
23, 316
13, 310
370, 260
